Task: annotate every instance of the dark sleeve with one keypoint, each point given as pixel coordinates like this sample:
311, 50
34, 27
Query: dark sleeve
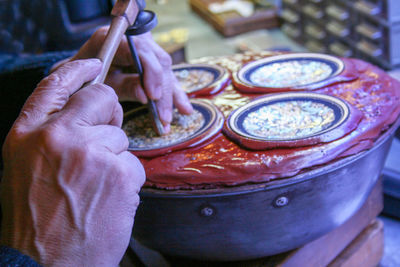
10, 257
18, 78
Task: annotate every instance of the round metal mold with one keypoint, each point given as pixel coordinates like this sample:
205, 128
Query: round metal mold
291, 120
288, 72
253, 221
186, 130
201, 79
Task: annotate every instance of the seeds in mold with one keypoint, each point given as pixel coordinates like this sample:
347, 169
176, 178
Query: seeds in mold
290, 73
194, 79
142, 136
289, 120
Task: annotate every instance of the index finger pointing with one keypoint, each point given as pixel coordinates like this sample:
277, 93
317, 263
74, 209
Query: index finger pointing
53, 92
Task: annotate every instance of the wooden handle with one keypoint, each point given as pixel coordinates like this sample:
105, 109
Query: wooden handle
116, 32
124, 14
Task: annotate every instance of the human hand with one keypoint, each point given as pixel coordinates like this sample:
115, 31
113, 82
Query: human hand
160, 82
70, 187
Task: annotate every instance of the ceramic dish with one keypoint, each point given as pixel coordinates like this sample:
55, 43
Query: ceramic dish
201, 79
186, 130
291, 120
291, 72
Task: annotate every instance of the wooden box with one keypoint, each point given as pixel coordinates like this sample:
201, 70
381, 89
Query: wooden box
231, 23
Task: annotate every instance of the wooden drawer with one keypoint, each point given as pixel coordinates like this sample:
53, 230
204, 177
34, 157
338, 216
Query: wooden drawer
384, 10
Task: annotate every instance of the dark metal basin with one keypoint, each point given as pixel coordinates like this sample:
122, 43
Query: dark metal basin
255, 221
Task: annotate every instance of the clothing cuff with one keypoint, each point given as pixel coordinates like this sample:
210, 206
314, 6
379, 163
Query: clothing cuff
11, 63
10, 257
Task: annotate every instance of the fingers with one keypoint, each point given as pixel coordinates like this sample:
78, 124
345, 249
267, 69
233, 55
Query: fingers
139, 175
157, 77
53, 92
94, 105
128, 178
164, 107
153, 74
156, 65
160, 82
111, 138
127, 86
180, 98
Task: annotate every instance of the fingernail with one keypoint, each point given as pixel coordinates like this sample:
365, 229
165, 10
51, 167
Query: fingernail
189, 107
166, 116
167, 128
143, 101
141, 96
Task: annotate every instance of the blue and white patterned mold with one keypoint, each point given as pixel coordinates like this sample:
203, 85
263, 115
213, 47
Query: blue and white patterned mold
195, 77
290, 70
288, 116
137, 125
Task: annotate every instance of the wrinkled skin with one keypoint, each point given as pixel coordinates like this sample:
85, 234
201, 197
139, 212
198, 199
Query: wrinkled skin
70, 187
160, 82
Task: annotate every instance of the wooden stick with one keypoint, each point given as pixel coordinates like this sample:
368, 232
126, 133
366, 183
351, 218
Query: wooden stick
124, 14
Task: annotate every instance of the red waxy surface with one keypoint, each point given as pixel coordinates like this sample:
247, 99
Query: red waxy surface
220, 162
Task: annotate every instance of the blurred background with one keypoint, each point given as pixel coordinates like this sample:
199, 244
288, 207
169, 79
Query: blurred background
367, 29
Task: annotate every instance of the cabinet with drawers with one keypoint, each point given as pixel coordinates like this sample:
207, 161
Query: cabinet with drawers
292, 19
367, 29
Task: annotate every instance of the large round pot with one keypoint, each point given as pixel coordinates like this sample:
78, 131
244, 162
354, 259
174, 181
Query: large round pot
252, 221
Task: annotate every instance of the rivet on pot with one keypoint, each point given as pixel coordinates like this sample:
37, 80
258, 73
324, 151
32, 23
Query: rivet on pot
207, 211
281, 201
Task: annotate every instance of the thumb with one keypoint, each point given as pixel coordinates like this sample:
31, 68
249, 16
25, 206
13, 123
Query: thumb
53, 92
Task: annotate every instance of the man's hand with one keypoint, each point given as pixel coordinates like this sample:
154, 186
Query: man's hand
160, 82
70, 187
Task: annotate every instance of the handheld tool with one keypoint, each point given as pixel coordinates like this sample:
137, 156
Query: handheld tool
124, 14
145, 21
